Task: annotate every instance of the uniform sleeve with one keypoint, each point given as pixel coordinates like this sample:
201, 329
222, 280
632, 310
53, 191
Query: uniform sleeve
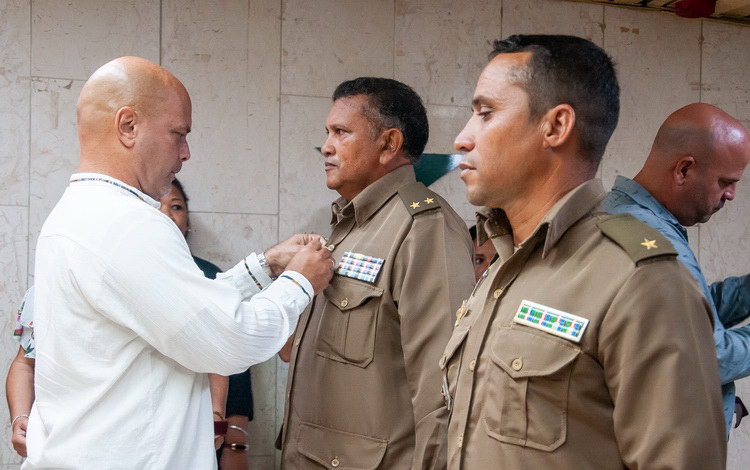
151, 285
434, 266
731, 299
658, 356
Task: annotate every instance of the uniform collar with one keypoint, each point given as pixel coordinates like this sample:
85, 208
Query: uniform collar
493, 223
366, 204
643, 198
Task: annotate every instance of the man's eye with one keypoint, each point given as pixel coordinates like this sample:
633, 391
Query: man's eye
478, 260
176, 207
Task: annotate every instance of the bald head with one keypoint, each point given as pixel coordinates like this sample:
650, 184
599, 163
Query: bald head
698, 156
127, 112
126, 81
696, 129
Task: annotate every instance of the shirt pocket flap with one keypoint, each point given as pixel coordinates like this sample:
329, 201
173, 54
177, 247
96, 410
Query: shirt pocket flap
527, 354
455, 342
340, 450
347, 294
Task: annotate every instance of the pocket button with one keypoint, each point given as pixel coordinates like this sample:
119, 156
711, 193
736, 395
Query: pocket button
335, 462
517, 364
472, 364
344, 303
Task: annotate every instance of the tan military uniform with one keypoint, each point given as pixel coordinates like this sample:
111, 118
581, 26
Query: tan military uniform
638, 388
364, 389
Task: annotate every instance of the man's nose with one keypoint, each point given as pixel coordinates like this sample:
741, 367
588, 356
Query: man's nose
464, 140
327, 149
730, 192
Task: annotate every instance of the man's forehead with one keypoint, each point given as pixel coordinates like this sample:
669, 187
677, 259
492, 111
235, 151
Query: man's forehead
349, 107
504, 70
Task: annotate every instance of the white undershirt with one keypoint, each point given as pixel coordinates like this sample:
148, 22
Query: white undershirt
126, 327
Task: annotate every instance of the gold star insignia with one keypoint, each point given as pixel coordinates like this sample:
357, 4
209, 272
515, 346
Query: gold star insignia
649, 244
429, 200
414, 205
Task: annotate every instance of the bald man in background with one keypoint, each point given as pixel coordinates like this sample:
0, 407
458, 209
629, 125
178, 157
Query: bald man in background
697, 159
126, 324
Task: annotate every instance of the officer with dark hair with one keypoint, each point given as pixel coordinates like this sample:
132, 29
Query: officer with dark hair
587, 345
364, 387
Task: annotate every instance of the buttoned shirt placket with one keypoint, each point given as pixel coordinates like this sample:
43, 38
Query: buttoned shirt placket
471, 358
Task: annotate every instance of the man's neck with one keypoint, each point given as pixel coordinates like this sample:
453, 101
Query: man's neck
121, 174
526, 212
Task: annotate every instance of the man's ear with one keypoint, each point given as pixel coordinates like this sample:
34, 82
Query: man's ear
392, 144
125, 120
681, 168
557, 125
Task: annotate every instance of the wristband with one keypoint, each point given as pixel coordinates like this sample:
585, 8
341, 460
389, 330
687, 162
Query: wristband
16, 419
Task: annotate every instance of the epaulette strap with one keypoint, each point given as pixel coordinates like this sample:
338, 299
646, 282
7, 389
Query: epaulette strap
639, 240
417, 198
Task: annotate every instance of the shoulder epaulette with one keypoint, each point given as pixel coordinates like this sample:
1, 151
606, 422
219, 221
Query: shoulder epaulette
639, 240
417, 198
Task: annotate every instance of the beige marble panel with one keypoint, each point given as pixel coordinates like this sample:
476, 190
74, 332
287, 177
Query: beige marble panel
304, 200
227, 55
553, 17
442, 46
658, 63
73, 39
262, 428
13, 263
725, 239
282, 374
224, 239
15, 44
726, 67
328, 41
54, 148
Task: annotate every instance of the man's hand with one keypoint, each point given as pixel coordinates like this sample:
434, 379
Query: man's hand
19, 435
279, 256
314, 261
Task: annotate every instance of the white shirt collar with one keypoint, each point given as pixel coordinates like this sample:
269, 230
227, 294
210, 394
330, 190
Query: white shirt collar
98, 178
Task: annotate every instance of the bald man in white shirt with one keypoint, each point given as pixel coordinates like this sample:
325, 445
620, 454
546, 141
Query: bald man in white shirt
126, 324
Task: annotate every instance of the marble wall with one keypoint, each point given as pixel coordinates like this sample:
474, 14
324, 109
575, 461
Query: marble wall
260, 73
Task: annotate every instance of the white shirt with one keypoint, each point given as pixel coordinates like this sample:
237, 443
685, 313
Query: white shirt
126, 327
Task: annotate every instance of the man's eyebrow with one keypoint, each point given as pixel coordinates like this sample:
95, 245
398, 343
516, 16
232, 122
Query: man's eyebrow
479, 99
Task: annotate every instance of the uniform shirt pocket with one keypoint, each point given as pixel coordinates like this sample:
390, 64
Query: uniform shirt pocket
527, 389
349, 322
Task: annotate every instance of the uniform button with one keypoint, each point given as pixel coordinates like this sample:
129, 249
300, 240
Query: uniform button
344, 303
517, 364
497, 293
296, 342
335, 462
460, 441
442, 361
472, 364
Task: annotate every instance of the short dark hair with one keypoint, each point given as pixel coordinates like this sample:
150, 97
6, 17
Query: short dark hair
176, 183
392, 105
570, 70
